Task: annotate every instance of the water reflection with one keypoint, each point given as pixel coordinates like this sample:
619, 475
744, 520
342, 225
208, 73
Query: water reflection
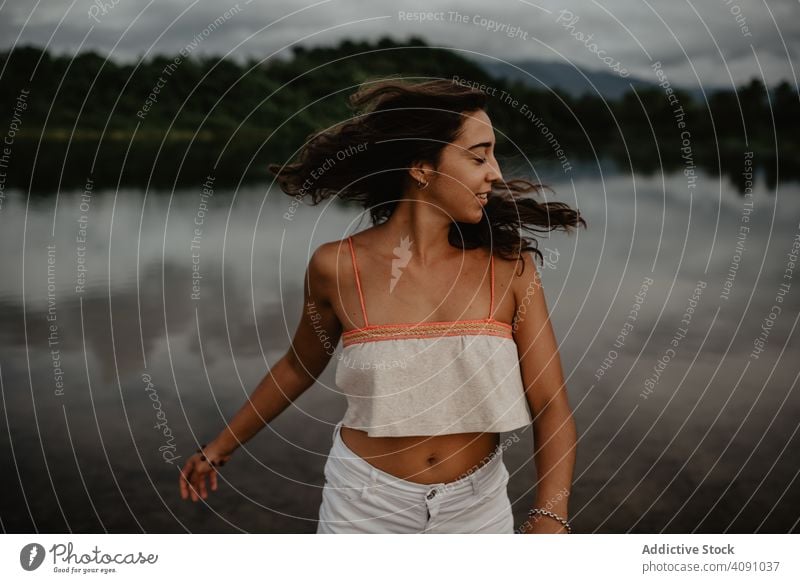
708, 449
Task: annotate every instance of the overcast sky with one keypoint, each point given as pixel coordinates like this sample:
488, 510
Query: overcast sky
708, 42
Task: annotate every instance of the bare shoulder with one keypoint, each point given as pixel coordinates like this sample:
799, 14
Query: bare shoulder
522, 274
330, 259
325, 257
325, 265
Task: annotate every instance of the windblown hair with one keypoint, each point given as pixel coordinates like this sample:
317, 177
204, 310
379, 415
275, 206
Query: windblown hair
367, 158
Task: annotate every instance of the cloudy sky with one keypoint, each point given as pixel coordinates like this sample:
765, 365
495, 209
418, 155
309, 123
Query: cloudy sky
708, 42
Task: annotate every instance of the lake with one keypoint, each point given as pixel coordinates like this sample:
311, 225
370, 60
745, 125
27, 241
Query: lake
134, 323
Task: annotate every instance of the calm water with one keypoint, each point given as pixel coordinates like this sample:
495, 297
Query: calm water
100, 331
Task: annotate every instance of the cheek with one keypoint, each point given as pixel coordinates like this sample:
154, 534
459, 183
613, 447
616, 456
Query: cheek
463, 176
454, 196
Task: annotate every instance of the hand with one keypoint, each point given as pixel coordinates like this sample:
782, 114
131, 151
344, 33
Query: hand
538, 524
192, 481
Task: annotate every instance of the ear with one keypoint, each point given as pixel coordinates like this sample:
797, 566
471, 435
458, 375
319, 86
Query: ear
417, 171
420, 170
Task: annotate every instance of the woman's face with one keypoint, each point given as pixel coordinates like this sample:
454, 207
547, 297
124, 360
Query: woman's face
467, 168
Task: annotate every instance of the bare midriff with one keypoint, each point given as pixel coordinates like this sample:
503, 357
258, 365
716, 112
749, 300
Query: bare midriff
423, 459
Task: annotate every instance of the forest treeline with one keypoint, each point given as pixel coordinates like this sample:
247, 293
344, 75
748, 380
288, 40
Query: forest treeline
238, 116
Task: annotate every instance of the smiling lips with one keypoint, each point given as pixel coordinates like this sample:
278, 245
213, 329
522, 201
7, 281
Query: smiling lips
483, 197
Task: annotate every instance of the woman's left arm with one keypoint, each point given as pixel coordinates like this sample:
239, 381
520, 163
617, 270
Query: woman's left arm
554, 432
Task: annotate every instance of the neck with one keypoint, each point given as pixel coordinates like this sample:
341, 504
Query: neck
426, 227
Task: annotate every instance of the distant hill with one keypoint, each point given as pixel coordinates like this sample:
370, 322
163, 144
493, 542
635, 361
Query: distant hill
238, 117
574, 81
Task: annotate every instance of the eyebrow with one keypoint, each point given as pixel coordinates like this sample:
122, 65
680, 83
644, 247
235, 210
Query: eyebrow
481, 145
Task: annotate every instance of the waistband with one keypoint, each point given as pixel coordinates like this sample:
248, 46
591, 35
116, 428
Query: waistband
475, 481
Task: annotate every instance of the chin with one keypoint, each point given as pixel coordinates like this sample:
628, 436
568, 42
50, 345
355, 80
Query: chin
473, 219
470, 214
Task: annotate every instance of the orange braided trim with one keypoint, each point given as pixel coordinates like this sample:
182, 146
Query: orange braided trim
427, 330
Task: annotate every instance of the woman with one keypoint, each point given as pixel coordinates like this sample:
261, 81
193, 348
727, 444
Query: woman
446, 335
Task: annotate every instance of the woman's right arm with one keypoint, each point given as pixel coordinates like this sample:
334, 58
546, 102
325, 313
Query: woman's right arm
311, 349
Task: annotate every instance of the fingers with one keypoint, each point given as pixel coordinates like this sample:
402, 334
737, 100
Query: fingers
198, 486
188, 481
192, 482
192, 486
202, 488
183, 479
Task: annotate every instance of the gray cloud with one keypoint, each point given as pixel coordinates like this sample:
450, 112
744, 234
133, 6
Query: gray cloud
665, 30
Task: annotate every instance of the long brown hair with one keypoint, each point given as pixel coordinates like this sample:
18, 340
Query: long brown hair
366, 159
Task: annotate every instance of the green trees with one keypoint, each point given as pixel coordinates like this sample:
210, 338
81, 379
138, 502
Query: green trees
89, 97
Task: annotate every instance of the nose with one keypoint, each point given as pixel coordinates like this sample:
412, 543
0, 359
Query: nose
494, 173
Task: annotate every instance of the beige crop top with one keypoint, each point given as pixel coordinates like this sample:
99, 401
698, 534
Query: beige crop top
431, 378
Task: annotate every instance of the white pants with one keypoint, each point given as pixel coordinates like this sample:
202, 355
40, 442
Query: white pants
360, 498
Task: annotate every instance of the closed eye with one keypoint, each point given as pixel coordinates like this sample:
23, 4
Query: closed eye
481, 160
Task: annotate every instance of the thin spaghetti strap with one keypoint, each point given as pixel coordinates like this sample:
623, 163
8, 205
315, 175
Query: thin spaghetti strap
491, 304
358, 281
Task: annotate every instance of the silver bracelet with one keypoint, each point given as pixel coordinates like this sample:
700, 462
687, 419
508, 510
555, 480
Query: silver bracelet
533, 511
